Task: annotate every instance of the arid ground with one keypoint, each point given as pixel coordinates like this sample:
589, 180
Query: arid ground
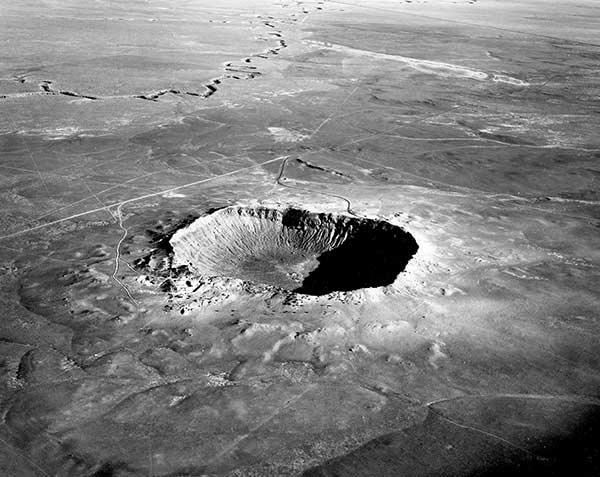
272, 237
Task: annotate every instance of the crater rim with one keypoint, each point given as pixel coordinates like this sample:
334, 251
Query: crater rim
293, 249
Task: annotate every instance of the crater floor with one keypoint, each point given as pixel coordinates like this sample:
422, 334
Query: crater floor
255, 238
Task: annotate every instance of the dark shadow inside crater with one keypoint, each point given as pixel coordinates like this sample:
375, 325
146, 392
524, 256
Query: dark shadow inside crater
371, 257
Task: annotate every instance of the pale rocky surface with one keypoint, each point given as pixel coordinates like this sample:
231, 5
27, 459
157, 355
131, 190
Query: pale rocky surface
471, 125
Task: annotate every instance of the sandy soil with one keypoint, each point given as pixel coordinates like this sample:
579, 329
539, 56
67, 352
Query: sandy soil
470, 124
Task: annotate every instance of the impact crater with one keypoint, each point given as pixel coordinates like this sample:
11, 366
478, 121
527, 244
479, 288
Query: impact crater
294, 249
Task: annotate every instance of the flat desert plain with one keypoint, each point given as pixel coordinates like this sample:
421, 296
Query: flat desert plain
319, 238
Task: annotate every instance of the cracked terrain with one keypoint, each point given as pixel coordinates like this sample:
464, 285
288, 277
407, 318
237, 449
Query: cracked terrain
282, 237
